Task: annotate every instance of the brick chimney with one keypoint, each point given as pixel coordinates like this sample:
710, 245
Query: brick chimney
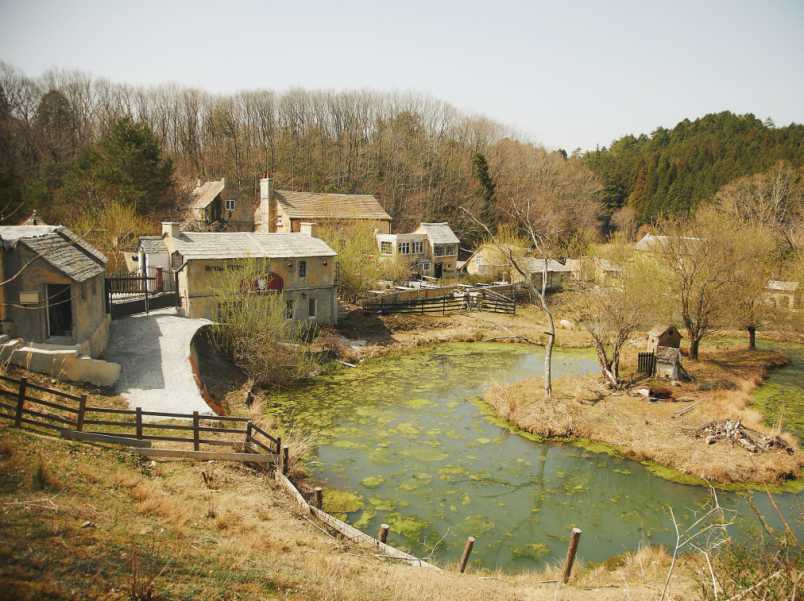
265, 215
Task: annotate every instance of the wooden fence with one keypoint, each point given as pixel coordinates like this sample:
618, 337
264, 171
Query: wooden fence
71, 416
646, 364
468, 301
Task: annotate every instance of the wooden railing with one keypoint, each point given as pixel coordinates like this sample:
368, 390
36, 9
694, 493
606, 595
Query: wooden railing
469, 301
57, 410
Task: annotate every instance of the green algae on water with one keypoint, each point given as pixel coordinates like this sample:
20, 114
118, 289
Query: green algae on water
535, 551
341, 502
372, 481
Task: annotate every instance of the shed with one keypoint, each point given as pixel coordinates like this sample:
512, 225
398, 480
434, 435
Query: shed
663, 336
668, 362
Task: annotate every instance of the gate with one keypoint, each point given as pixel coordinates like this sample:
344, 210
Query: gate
646, 364
128, 294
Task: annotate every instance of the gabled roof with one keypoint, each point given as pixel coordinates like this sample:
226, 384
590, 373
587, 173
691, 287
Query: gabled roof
536, 265
782, 286
438, 233
324, 205
244, 245
59, 247
206, 193
153, 245
658, 330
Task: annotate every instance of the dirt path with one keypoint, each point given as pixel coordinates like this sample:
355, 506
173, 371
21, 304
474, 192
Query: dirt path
154, 351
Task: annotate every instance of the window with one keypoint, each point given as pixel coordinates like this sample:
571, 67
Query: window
439, 250
446, 250
418, 247
311, 307
404, 248
289, 308
230, 205
386, 248
302, 269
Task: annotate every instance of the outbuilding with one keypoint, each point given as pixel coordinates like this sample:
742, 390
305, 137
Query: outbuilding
54, 290
663, 336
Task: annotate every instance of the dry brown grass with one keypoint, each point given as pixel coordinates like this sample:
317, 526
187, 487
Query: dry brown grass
255, 547
649, 431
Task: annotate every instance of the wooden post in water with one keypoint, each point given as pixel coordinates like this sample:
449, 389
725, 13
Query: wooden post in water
82, 408
571, 550
20, 402
383, 535
467, 551
285, 460
196, 433
139, 423
318, 497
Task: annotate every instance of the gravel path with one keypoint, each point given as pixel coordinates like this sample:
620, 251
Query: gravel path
154, 351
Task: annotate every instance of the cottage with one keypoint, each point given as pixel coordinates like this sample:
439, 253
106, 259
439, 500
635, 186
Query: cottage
214, 208
490, 262
663, 336
285, 211
431, 250
55, 288
301, 267
784, 294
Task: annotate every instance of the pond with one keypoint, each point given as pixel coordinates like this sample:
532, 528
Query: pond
406, 440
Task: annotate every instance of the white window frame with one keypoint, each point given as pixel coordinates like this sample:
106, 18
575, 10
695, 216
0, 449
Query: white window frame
386, 248
403, 248
230, 204
418, 247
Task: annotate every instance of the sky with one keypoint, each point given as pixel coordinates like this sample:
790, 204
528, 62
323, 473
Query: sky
568, 75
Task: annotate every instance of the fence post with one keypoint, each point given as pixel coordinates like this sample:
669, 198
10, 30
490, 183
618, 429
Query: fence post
571, 550
248, 435
139, 423
285, 460
145, 286
20, 402
82, 407
318, 497
383, 535
279, 448
196, 435
444, 306
467, 551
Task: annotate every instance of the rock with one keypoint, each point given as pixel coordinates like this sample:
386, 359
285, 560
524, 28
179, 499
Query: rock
88, 524
566, 324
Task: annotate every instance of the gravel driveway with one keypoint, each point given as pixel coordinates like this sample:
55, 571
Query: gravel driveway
154, 351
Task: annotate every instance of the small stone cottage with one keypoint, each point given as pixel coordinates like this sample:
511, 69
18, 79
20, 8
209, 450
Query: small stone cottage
286, 210
55, 288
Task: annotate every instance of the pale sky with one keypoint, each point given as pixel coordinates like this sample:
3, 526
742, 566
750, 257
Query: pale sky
568, 75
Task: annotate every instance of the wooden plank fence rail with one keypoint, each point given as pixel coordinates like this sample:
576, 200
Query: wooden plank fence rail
481, 300
70, 413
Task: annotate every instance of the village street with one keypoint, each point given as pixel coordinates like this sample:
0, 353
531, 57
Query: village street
154, 351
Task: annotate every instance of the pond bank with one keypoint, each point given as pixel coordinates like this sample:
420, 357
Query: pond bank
660, 434
406, 440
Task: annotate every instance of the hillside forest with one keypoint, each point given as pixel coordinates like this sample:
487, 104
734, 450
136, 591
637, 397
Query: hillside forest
96, 155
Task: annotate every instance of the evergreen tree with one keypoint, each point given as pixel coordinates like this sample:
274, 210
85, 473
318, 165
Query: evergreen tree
480, 169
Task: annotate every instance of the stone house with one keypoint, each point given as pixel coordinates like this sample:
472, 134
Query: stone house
58, 295
784, 294
285, 211
663, 336
668, 363
214, 208
490, 262
431, 250
300, 266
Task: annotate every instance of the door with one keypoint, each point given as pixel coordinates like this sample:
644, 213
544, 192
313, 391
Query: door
439, 270
59, 310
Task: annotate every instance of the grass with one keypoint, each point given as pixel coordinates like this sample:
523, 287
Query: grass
181, 530
649, 432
